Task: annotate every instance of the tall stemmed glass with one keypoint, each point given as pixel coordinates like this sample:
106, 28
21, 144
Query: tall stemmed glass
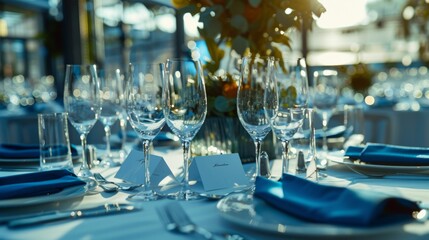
250, 102
110, 87
185, 109
82, 103
123, 117
285, 101
123, 120
325, 98
144, 108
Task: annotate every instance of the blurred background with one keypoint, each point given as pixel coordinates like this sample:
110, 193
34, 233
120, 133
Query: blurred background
380, 47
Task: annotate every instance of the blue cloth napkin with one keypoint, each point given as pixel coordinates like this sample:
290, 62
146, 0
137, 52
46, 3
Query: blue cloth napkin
314, 202
389, 154
24, 151
37, 184
334, 132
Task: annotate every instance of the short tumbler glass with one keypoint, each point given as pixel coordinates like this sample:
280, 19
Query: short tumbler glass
54, 142
304, 147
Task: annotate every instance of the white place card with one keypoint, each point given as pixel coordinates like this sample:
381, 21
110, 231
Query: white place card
311, 173
132, 169
218, 171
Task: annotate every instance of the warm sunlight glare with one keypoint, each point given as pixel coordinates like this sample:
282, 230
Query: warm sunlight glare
191, 25
342, 13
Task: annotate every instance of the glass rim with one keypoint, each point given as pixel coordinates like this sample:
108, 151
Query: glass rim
145, 63
82, 65
53, 114
325, 72
284, 58
182, 59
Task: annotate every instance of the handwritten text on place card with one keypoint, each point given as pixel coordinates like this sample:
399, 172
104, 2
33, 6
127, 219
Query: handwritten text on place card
218, 171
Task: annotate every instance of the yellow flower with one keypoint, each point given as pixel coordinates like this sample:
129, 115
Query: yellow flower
180, 3
289, 96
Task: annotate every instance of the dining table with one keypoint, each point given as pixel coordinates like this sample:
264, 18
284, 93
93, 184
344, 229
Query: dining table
147, 224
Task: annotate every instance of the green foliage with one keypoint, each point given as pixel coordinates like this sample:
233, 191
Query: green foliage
249, 26
255, 27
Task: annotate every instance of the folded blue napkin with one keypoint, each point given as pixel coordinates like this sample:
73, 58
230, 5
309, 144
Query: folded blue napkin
333, 132
24, 151
37, 184
314, 202
389, 154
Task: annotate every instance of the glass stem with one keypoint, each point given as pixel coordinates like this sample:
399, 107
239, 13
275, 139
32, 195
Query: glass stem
285, 160
108, 133
186, 146
146, 147
258, 148
123, 125
325, 129
84, 165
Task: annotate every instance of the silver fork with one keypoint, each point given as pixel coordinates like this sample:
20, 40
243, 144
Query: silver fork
176, 219
104, 183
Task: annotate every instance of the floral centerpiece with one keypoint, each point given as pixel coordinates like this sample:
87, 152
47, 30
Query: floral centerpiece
244, 27
232, 29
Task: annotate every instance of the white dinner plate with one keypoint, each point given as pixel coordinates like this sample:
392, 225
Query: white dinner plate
254, 213
377, 170
67, 193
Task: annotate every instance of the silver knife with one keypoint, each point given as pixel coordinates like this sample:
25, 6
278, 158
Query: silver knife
106, 209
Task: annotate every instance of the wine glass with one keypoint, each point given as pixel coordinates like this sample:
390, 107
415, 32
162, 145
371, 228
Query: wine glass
285, 101
123, 117
185, 110
82, 103
325, 98
110, 93
145, 112
250, 102
123, 122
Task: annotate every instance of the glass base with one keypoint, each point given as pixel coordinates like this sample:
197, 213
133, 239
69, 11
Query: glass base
91, 184
87, 176
322, 164
121, 154
144, 196
322, 160
252, 178
185, 195
108, 163
250, 190
85, 173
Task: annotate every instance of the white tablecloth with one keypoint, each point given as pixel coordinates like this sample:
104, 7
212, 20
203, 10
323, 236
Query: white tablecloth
145, 224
